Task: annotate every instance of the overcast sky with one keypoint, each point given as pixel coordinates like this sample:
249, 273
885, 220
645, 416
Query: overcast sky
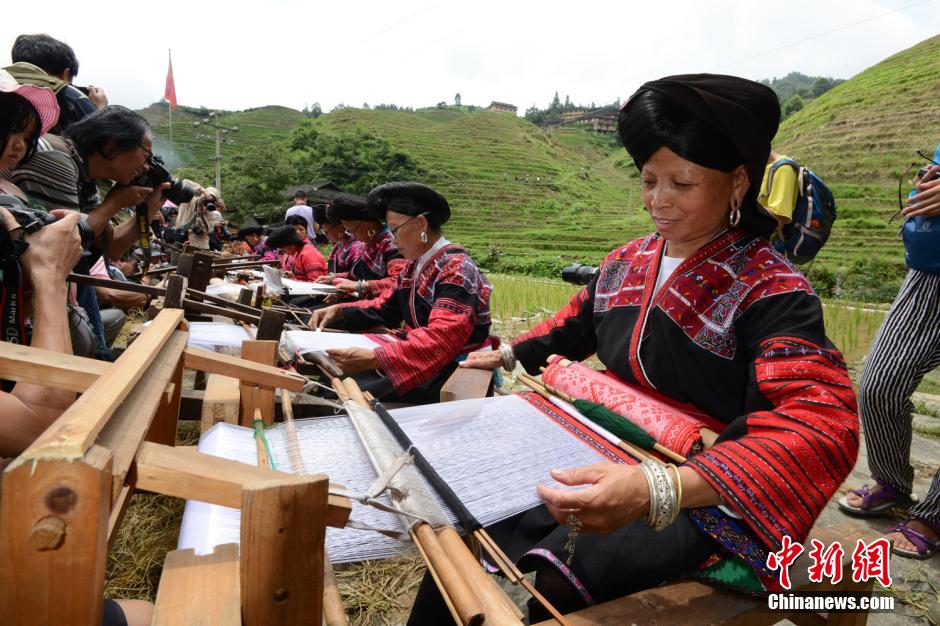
236, 55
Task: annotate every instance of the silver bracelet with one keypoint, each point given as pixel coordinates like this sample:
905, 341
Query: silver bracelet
361, 287
664, 504
509, 357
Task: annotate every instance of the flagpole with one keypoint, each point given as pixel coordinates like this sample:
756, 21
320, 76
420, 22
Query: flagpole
170, 104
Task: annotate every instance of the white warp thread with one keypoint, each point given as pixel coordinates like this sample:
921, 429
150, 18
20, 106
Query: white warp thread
492, 453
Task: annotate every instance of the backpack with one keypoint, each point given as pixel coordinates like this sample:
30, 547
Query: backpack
813, 215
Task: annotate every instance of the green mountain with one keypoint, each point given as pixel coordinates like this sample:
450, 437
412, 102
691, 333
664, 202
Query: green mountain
530, 200
194, 146
861, 138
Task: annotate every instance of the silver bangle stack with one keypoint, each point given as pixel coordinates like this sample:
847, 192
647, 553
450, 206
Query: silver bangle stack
665, 495
509, 357
361, 287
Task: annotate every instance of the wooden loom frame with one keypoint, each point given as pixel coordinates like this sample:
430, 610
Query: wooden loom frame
63, 499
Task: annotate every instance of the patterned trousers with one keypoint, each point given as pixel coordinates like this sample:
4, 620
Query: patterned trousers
905, 349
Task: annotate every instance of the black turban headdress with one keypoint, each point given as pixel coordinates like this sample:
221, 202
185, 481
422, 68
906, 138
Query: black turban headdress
250, 229
713, 120
410, 199
283, 236
349, 208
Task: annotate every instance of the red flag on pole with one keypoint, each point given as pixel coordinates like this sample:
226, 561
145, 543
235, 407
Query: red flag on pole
169, 93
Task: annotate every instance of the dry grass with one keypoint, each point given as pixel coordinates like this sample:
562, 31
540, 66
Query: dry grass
380, 593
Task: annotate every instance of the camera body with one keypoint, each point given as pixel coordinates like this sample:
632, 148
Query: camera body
922, 171
180, 191
32, 220
579, 273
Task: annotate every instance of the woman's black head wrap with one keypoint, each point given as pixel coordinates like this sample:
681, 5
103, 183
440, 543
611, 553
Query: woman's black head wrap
410, 199
349, 208
283, 236
712, 120
250, 229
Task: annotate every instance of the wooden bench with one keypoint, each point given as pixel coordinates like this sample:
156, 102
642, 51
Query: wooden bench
65, 496
693, 603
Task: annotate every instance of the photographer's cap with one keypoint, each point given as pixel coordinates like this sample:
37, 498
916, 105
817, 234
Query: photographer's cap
41, 98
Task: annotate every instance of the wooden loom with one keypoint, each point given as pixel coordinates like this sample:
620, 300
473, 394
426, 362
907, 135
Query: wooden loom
65, 496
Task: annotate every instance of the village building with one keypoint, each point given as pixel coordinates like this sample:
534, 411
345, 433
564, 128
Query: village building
502, 107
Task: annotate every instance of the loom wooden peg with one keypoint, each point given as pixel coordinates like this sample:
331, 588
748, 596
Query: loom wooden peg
47, 534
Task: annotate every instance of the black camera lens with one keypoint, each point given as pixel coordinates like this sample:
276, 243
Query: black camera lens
578, 273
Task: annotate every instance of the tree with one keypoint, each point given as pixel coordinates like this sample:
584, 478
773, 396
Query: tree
791, 106
365, 105
457, 99
315, 111
442, 105
355, 160
568, 106
556, 103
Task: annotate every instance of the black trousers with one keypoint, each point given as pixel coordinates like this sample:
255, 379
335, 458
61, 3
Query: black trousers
630, 559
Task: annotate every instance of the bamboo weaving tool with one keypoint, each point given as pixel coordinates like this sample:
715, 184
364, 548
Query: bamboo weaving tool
410, 496
469, 522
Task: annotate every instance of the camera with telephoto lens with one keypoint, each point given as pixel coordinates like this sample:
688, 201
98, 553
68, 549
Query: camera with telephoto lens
180, 191
32, 220
579, 273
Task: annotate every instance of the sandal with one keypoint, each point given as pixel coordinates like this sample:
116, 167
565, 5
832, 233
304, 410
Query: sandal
876, 503
924, 548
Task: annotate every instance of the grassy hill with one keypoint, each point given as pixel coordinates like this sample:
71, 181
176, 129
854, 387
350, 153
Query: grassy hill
861, 137
530, 200
195, 146
531, 197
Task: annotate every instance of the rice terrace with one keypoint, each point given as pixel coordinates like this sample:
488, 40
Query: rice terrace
247, 353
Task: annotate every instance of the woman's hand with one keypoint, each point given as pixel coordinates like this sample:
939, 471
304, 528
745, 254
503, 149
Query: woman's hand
617, 495
346, 285
926, 201
320, 318
326, 279
353, 360
483, 360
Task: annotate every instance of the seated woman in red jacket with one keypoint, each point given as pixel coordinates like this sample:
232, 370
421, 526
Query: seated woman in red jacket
379, 260
440, 299
301, 259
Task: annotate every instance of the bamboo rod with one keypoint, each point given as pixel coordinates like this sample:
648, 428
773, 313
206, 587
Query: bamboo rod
465, 601
497, 607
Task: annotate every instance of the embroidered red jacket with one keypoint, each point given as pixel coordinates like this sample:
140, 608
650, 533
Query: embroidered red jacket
379, 263
307, 264
343, 256
445, 312
737, 332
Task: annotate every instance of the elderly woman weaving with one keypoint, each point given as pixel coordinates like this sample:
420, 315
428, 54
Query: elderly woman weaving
705, 312
440, 297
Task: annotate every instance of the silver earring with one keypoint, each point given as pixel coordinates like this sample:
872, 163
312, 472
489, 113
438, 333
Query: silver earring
734, 217
371, 233
424, 236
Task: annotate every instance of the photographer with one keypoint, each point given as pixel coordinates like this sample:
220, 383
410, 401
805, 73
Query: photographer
113, 144
45, 263
194, 218
47, 62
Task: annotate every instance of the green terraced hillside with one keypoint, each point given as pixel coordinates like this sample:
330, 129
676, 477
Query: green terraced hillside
529, 200
255, 127
576, 205
860, 137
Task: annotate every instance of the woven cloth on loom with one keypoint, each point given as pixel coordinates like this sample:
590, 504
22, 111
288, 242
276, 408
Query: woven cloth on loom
671, 427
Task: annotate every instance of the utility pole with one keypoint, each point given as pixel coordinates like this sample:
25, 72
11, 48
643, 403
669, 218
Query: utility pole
213, 121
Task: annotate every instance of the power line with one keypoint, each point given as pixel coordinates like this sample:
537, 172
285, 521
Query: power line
823, 34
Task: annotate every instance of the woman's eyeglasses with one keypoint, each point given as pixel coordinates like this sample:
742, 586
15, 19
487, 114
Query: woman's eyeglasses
395, 230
